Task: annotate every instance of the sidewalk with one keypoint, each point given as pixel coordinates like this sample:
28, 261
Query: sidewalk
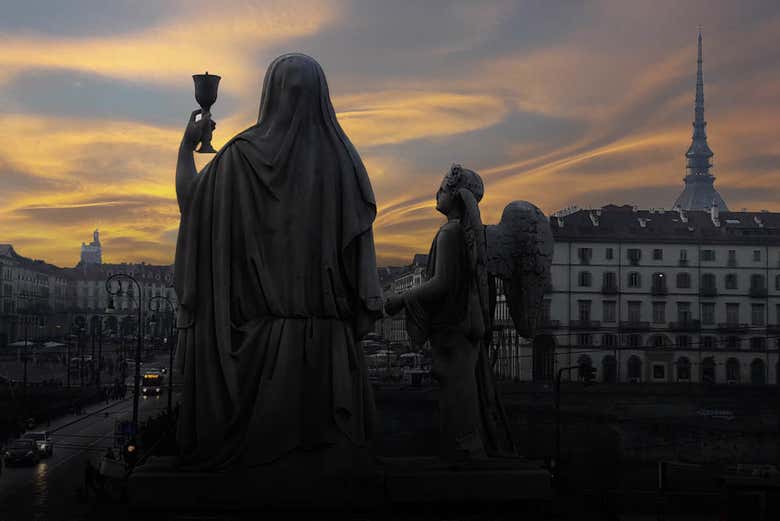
70, 419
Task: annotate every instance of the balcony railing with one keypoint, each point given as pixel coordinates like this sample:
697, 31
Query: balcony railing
609, 289
682, 262
685, 325
584, 324
708, 291
659, 290
634, 325
758, 292
732, 327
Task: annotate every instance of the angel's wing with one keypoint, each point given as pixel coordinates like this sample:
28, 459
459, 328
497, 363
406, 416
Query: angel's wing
519, 252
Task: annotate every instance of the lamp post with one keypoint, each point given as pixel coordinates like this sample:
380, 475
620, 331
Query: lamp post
170, 347
115, 292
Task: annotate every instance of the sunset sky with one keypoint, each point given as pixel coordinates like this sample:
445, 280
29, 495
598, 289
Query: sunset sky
559, 103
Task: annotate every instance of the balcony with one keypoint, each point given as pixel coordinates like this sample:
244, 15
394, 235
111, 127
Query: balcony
758, 292
732, 327
634, 325
609, 289
682, 262
685, 325
659, 290
584, 324
708, 291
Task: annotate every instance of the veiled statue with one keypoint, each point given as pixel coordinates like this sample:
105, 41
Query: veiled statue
276, 279
454, 308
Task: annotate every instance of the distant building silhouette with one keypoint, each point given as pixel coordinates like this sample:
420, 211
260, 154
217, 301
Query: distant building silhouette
699, 192
92, 253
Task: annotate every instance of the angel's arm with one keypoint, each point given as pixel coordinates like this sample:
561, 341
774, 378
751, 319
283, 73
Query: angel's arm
435, 289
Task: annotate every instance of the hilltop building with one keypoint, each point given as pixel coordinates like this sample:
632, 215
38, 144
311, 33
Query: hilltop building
92, 253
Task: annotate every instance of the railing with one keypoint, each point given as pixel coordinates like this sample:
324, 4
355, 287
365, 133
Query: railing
659, 290
584, 324
685, 325
682, 262
609, 289
732, 327
634, 325
758, 292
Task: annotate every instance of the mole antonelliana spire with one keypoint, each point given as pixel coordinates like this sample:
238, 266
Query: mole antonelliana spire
699, 192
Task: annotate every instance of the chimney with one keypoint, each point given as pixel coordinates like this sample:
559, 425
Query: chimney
715, 213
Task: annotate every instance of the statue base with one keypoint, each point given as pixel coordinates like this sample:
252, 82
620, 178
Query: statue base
388, 483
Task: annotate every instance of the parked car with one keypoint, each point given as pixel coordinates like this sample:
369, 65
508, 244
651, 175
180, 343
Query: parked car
43, 441
22, 451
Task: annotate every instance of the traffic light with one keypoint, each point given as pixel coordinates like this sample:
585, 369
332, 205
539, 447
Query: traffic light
588, 373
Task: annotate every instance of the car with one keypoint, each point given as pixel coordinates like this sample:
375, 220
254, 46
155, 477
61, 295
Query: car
22, 451
44, 442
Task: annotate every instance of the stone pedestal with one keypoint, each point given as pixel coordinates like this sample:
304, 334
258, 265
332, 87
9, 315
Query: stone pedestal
387, 484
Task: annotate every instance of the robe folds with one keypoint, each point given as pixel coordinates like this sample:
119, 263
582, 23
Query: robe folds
276, 278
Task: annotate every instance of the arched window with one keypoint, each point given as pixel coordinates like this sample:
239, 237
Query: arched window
634, 280
683, 369
609, 369
683, 280
585, 279
634, 368
732, 370
757, 372
708, 370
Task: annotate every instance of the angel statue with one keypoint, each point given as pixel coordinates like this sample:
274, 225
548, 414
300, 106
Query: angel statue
454, 308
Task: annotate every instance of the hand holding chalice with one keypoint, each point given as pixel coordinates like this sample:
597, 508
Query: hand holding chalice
206, 95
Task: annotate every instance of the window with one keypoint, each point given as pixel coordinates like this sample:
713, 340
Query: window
684, 256
732, 258
684, 312
583, 362
732, 313
609, 280
708, 282
584, 255
634, 368
610, 254
708, 342
683, 342
683, 368
659, 371
777, 282
732, 370
659, 283
708, 313
634, 255
634, 311
583, 310
708, 255
733, 342
609, 310
731, 281
608, 340
683, 280
634, 340
757, 282
660, 341
659, 312
634, 280
658, 254
758, 343
585, 279
756, 255
757, 314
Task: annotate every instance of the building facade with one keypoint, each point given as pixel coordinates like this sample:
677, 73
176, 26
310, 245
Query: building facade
661, 296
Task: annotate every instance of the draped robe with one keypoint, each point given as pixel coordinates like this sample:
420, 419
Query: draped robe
276, 278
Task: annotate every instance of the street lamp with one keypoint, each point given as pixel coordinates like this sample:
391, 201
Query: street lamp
170, 346
116, 292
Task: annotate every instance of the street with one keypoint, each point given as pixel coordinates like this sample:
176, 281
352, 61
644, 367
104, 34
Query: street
47, 491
